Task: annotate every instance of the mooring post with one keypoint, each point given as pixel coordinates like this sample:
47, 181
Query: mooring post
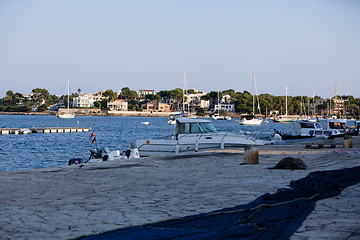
251, 154
347, 143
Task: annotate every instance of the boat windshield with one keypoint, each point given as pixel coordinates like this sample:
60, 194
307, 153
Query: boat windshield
195, 128
310, 125
208, 128
337, 125
186, 128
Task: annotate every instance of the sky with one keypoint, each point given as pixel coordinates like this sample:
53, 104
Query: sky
308, 45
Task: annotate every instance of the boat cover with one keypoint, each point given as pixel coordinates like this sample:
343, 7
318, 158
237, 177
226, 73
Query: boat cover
270, 216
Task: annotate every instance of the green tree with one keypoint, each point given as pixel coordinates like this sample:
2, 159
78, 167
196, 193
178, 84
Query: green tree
127, 93
110, 94
97, 104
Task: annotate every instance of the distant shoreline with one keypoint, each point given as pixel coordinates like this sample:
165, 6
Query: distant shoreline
109, 113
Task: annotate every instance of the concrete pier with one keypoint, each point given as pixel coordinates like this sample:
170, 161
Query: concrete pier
73, 201
5, 131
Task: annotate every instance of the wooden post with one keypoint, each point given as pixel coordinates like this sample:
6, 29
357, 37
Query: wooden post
347, 143
251, 155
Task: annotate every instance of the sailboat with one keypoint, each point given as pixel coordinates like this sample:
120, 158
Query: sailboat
67, 114
284, 118
252, 120
218, 116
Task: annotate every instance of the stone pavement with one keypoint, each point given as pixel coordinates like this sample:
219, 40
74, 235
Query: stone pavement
72, 201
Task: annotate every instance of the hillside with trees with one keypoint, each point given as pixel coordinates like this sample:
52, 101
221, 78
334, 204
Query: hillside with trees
297, 105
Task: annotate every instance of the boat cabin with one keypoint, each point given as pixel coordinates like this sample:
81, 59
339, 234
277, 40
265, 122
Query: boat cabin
337, 124
193, 126
309, 128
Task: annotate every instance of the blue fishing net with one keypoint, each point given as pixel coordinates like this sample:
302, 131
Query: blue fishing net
270, 216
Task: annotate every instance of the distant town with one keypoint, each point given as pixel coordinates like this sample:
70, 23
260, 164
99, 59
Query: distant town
127, 102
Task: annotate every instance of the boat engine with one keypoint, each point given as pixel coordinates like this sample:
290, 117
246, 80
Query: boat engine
99, 153
76, 160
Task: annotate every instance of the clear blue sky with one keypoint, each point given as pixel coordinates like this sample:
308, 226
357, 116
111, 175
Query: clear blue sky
308, 45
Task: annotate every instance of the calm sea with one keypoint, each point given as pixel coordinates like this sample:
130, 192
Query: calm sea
39, 150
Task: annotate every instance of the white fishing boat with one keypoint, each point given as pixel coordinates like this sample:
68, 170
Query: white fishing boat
304, 129
67, 114
219, 117
252, 120
342, 126
192, 135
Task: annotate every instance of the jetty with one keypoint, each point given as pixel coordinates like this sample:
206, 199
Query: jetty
79, 200
6, 131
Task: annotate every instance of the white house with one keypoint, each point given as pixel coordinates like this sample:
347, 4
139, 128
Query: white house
143, 93
230, 107
84, 101
118, 105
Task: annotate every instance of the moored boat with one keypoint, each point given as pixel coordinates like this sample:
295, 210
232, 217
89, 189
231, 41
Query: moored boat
304, 129
192, 135
98, 155
66, 114
342, 126
251, 119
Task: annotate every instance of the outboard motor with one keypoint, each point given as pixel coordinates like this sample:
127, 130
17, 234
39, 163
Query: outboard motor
76, 160
96, 153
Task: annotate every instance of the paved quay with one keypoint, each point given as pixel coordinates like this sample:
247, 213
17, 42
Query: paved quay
71, 201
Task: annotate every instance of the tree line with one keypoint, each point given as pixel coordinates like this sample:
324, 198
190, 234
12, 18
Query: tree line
243, 101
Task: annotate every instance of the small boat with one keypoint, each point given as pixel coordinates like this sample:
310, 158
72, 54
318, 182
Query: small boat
284, 118
66, 114
192, 135
146, 123
25, 131
172, 118
98, 155
219, 117
251, 119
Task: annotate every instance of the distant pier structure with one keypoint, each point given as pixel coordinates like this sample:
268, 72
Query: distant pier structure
5, 131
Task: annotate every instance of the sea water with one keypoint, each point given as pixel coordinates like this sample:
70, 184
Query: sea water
39, 150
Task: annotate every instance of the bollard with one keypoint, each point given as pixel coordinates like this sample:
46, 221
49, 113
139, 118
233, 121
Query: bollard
134, 153
251, 155
177, 149
196, 146
347, 143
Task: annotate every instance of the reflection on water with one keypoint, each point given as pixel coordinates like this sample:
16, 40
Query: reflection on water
19, 152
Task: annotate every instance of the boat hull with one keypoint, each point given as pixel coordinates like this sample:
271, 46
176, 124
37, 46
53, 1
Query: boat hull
203, 142
66, 115
253, 122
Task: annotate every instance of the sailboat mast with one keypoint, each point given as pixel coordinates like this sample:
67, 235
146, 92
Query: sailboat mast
68, 98
183, 107
254, 93
286, 100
